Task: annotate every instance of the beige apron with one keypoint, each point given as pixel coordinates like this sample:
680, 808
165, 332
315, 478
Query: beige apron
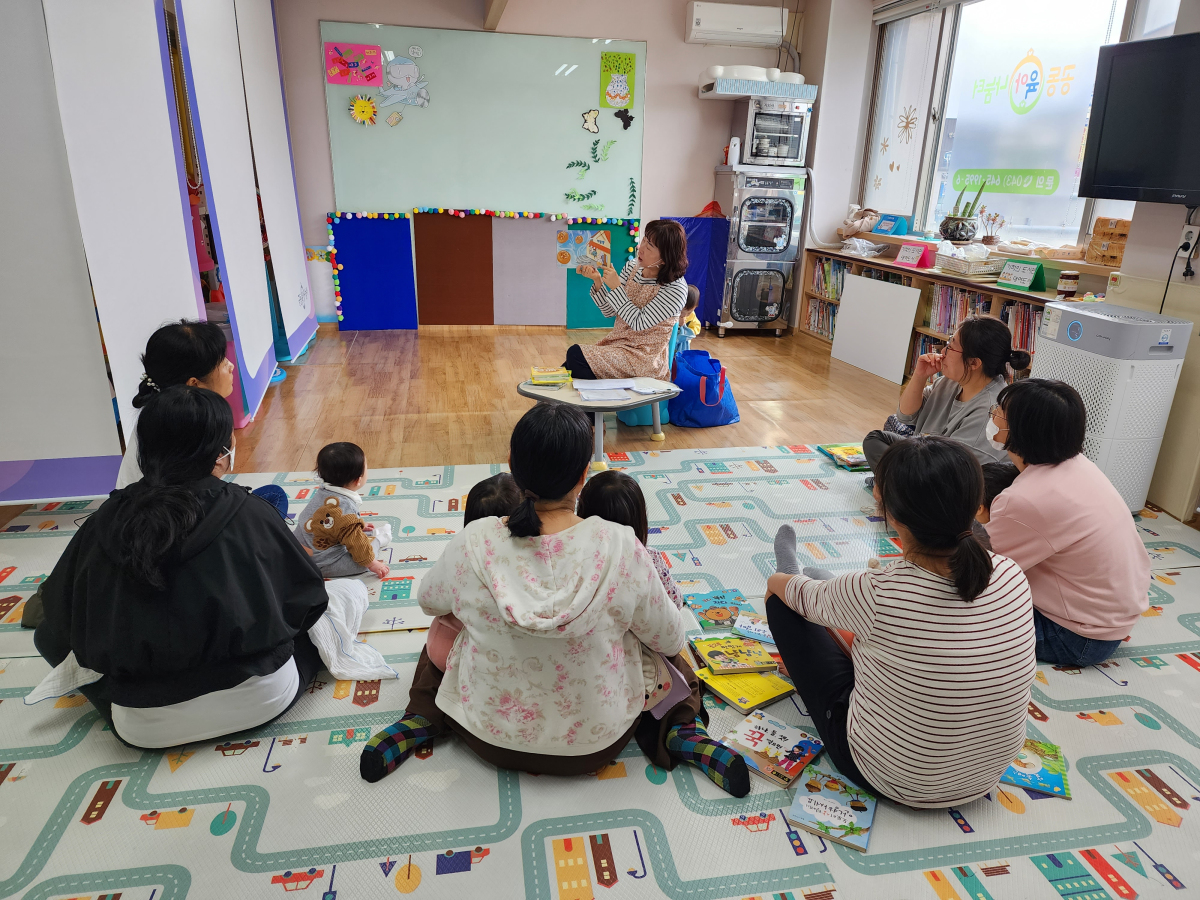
625, 353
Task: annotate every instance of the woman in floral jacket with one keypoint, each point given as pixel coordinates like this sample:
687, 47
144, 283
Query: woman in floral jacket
559, 616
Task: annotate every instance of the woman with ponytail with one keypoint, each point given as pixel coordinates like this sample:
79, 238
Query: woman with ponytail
929, 708
566, 627
967, 376
180, 352
181, 607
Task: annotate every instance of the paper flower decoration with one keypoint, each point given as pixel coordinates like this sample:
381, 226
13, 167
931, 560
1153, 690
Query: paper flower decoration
363, 109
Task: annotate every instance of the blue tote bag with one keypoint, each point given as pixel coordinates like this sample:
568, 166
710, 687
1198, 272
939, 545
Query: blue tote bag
705, 399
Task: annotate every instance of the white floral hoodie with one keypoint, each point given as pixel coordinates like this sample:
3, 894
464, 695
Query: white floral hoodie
549, 658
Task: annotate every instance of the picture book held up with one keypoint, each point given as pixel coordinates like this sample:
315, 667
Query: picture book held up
775, 750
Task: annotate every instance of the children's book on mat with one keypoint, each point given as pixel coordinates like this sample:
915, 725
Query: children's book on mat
727, 655
1041, 767
828, 804
745, 692
752, 626
773, 749
717, 609
548, 375
848, 456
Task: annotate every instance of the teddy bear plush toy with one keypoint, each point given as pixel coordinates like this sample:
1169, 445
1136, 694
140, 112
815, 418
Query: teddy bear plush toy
331, 525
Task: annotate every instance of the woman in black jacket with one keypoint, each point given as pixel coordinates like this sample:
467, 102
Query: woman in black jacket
181, 608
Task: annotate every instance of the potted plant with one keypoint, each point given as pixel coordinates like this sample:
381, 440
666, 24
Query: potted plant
992, 223
962, 226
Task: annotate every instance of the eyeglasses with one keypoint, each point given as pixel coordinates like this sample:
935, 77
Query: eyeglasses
997, 408
948, 348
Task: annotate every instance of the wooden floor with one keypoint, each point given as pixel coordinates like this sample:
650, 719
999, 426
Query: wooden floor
447, 395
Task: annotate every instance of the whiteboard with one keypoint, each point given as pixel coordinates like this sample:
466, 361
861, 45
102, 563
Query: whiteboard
127, 174
503, 121
59, 409
874, 326
273, 164
213, 67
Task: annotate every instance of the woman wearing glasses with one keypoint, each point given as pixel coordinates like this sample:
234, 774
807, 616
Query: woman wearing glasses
1066, 526
968, 375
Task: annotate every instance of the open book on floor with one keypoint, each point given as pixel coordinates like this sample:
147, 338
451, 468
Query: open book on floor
1041, 767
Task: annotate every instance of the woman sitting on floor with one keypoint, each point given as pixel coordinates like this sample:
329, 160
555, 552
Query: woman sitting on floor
967, 376
181, 606
646, 299
1064, 523
929, 709
546, 675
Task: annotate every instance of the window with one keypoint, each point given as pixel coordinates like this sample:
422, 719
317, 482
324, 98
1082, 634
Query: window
1154, 19
1011, 113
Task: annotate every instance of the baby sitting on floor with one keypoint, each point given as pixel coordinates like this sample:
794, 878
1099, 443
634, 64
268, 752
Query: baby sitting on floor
330, 527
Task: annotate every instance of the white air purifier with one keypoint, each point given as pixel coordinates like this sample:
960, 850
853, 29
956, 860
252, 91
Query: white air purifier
1125, 364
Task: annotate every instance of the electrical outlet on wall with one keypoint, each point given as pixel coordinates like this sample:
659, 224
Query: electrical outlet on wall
1190, 235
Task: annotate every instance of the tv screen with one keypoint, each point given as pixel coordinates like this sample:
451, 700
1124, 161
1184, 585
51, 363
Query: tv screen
1143, 139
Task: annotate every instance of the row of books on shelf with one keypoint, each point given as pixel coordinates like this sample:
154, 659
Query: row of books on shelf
948, 306
1023, 320
923, 344
822, 317
882, 275
828, 277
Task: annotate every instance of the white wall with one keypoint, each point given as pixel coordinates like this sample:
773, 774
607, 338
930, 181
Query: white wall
684, 136
127, 174
52, 379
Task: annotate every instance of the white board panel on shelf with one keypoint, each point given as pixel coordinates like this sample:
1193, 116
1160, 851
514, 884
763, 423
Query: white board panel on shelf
273, 164
874, 326
213, 67
60, 409
122, 141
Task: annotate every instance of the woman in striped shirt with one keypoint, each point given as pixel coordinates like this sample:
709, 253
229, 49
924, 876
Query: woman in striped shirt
929, 709
646, 299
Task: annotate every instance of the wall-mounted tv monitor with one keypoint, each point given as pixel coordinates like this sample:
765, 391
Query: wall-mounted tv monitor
1143, 139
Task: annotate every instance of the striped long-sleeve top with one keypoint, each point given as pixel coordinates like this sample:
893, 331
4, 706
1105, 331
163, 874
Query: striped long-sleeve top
941, 686
667, 304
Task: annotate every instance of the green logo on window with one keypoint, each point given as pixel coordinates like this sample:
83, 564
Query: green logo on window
1009, 181
1025, 85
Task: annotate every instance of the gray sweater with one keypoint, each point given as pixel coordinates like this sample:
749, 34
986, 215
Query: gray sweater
942, 414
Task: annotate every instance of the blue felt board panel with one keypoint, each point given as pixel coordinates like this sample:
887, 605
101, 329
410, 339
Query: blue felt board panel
707, 240
377, 282
581, 311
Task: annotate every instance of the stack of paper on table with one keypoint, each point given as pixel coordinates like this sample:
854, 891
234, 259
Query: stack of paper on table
601, 384
593, 395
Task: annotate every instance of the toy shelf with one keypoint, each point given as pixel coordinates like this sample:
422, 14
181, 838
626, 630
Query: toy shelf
946, 299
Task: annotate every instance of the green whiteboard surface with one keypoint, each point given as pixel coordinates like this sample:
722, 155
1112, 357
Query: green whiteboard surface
499, 129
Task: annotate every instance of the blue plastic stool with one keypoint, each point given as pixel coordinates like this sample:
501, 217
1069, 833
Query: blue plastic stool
642, 415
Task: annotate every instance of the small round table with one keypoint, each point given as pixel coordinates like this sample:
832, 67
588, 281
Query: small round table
565, 393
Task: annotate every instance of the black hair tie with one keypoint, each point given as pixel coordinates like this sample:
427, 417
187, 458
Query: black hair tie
965, 535
530, 495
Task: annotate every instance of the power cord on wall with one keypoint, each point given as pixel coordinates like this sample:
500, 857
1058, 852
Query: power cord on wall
1188, 271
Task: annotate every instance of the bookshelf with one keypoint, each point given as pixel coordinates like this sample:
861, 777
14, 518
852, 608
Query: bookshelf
946, 300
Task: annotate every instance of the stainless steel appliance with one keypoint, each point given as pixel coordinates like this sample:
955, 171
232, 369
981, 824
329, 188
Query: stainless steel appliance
773, 130
766, 209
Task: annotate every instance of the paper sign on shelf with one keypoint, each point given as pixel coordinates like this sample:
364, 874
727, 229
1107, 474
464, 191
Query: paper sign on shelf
354, 64
915, 256
1022, 276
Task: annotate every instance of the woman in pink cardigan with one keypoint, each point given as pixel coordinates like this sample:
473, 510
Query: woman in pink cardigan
1066, 526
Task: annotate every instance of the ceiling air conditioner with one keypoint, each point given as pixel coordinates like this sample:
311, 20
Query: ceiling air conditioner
730, 23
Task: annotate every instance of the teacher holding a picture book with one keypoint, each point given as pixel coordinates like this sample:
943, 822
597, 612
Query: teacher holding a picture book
646, 299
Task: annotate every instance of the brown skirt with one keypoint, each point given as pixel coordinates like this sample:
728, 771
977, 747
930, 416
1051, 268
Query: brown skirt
649, 732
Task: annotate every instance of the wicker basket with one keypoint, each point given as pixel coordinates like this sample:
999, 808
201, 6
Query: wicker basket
958, 266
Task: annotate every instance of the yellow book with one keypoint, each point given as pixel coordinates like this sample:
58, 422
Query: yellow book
549, 375
726, 656
745, 693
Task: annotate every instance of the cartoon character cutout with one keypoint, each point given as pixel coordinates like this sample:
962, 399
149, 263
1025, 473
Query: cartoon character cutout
405, 84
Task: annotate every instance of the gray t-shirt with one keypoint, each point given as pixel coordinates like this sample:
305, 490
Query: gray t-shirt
941, 413
335, 561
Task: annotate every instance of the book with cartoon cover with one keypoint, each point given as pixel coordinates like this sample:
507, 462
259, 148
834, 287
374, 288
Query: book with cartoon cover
828, 804
733, 654
717, 609
848, 456
1041, 767
745, 692
752, 626
773, 749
